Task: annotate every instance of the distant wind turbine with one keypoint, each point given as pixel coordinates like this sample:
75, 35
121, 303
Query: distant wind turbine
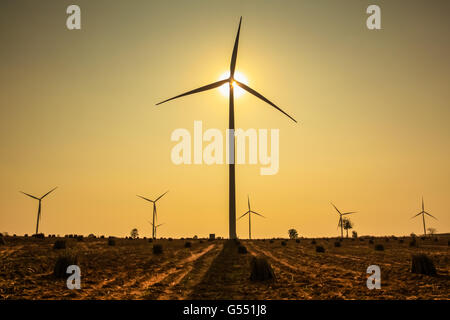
156, 227
423, 213
232, 82
249, 212
154, 211
39, 208
340, 219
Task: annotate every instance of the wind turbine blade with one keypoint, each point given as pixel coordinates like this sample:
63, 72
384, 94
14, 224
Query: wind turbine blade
253, 92
161, 196
417, 215
48, 193
248, 197
423, 206
204, 88
244, 215
30, 195
235, 51
348, 213
144, 198
336, 208
430, 215
257, 214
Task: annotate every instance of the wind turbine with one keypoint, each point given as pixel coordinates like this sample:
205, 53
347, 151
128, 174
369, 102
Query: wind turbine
155, 227
340, 219
423, 213
249, 212
39, 208
232, 82
154, 211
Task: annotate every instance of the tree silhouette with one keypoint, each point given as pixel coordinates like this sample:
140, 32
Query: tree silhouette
293, 234
134, 233
347, 224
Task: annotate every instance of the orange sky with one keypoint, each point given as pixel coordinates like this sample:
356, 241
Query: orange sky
77, 111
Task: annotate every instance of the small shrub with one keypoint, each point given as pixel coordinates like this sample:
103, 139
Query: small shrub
371, 241
26, 235
379, 247
283, 243
170, 239
387, 239
201, 241
400, 241
297, 240
62, 262
271, 241
187, 244
59, 244
435, 239
2, 241
337, 244
80, 238
150, 240
111, 242
261, 270
313, 241
39, 236
242, 249
157, 249
413, 243
422, 264
320, 249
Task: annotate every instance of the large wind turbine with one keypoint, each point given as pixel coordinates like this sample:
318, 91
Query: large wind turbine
156, 227
154, 211
39, 208
249, 212
232, 82
423, 213
340, 219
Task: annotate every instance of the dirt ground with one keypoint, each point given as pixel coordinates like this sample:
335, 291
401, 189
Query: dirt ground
215, 269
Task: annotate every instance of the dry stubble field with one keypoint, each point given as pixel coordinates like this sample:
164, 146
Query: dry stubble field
215, 270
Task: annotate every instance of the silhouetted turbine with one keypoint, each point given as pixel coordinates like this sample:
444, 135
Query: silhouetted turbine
232, 81
423, 213
39, 208
340, 219
154, 210
155, 227
249, 212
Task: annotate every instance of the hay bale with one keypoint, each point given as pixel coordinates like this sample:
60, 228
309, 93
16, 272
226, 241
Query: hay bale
59, 244
337, 244
261, 270
242, 249
422, 264
111, 242
157, 249
320, 249
379, 247
187, 244
62, 262
283, 243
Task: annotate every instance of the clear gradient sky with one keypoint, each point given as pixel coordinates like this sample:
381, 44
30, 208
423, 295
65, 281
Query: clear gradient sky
77, 111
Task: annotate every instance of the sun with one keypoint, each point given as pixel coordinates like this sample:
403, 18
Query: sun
238, 91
